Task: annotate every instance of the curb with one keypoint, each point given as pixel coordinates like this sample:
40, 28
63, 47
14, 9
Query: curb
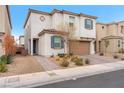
43, 78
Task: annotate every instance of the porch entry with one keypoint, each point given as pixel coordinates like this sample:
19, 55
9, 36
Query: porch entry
35, 46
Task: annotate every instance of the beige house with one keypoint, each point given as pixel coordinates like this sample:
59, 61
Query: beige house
110, 37
59, 31
5, 24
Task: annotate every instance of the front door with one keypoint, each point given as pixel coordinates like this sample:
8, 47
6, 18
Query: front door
35, 46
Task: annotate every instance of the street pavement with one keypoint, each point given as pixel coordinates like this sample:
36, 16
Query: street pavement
113, 79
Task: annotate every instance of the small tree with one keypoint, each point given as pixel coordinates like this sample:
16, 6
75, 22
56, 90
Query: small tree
8, 45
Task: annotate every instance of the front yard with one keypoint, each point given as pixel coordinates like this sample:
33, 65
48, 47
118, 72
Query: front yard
69, 61
22, 65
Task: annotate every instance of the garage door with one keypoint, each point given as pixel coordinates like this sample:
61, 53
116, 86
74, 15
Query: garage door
79, 47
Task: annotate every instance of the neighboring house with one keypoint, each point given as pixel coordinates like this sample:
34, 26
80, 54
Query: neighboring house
59, 32
5, 24
21, 40
110, 37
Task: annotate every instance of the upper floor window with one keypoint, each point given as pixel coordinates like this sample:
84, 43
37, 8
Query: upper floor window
103, 27
122, 28
71, 19
119, 43
71, 22
88, 24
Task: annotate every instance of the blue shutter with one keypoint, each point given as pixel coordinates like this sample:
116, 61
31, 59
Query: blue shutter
62, 42
85, 23
91, 24
52, 41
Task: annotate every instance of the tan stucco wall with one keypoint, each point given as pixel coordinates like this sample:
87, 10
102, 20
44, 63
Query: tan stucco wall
112, 47
113, 29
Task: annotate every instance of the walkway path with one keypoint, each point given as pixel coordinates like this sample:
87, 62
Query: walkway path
46, 64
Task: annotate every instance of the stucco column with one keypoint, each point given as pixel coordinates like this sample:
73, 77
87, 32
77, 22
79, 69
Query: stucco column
92, 47
97, 46
31, 46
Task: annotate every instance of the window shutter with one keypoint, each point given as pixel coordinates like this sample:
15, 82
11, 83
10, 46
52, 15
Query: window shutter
85, 23
52, 41
92, 24
62, 42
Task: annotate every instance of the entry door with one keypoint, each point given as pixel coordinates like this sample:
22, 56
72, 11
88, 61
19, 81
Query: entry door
35, 46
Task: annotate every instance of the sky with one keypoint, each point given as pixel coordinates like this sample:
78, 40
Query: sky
104, 13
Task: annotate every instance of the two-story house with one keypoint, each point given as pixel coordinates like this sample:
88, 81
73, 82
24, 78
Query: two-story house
5, 24
59, 31
110, 37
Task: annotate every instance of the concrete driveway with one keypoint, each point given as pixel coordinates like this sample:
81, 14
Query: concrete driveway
96, 59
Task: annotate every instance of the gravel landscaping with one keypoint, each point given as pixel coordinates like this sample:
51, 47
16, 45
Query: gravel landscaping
22, 65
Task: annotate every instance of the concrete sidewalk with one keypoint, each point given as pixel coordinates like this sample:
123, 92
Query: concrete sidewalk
42, 78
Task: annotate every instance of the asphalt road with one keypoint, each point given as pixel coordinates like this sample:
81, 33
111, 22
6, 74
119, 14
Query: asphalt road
107, 80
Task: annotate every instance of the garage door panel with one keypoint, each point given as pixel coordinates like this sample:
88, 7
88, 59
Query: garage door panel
79, 47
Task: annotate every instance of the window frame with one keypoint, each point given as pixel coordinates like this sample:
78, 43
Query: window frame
119, 43
60, 43
91, 25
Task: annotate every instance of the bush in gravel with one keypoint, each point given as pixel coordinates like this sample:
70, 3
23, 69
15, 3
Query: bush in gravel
79, 62
65, 63
101, 54
62, 55
74, 58
9, 59
3, 65
87, 61
3, 59
115, 56
122, 58
70, 54
6, 59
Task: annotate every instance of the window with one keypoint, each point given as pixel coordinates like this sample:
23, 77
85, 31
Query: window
71, 19
57, 42
121, 29
102, 27
0, 40
71, 23
119, 43
88, 24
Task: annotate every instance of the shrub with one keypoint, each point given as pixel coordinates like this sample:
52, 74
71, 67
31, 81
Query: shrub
70, 54
115, 56
52, 56
101, 54
9, 59
3, 59
2, 66
87, 61
6, 59
74, 58
79, 62
62, 55
122, 58
64, 63
121, 50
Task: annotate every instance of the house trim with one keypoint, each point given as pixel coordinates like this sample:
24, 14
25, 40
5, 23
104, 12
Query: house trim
56, 11
52, 31
8, 12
